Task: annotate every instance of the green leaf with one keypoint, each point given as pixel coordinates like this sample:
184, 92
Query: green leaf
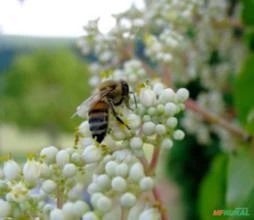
240, 180
213, 188
244, 94
247, 12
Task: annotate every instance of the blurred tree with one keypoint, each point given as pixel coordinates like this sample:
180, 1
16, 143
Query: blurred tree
42, 90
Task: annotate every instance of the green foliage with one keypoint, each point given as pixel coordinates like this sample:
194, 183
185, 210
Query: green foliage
240, 179
247, 12
244, 98
43, 89
213, 188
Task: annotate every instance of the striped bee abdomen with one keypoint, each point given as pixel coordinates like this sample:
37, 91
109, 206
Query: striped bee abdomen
98, 120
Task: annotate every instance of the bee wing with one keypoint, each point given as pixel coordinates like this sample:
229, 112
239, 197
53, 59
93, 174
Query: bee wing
83, 108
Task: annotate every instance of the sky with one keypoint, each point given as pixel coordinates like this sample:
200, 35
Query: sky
56, 18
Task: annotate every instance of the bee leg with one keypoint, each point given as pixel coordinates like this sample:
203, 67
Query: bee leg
116, 115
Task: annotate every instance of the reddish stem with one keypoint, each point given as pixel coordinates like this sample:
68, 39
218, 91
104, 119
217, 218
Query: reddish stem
163, 210
155, 158
210, 117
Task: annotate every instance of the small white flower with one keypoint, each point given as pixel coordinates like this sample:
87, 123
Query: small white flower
46, 171
150, 214
95, 197
158, 88
92, 154
119, 184
182, 94
172, 122
32, 170
148, 128
49, 154
110, 168
69, 170
5, 209
69, 210
128, 200
76, 157
104, 204
178, 135
56, 214
122, 170
86, 141
84, 129
136, 172
93, 188
170, 109
147, 97
167, 95
76, 192
133, 121
147, 118
19, 192
151, 111
160, 129
80, 208
166, 143
90, 216
62, 158
146, 183
11, 170
48, 186
136, 143
103, 181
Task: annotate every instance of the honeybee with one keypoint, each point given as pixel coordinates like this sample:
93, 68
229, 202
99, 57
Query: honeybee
109, 94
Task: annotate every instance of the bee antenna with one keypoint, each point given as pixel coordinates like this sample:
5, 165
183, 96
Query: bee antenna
135, 100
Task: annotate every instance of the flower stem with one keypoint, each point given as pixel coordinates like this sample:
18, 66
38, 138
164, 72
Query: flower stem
210, 117
59, 196
154, 160
163, 210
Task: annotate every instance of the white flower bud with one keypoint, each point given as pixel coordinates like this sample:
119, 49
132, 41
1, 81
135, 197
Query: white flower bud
11, 170
48, 186
147, 118
47, 208
92, 188
136, 172
160, 129
69, 170
90, 216
80, 208
128, 200
172, 122
84, 129
110, 168
95, 197
146, 183
150, 214
122, 170
49, 154
119, 184
91, 154
182, 94
86, 141
5, 209
166, 143
103, 181
170, 109
118, 134
160, 109
133, 121
62, 158
147, 97
69, 210
76, 192
56, 214
166, 95
178, 135
104, 204
148, 128
151, 111
31, 171
136, 143
75, 157
158, 88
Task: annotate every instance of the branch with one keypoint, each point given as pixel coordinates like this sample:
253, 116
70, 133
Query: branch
163, 210
210, 117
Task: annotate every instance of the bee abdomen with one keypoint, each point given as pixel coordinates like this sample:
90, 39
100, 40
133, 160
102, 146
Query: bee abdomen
98, 120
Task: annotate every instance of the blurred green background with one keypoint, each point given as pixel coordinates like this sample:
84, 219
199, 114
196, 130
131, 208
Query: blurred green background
42, 82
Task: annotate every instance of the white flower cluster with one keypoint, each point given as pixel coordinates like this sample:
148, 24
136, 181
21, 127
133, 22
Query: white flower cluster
197, 40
